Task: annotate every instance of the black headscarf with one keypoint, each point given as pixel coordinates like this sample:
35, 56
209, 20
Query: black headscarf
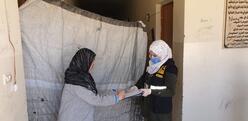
78, 71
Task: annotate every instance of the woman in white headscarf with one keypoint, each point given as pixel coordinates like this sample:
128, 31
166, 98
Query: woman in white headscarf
158, 83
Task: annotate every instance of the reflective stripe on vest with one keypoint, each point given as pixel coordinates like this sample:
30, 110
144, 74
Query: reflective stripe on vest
157, 87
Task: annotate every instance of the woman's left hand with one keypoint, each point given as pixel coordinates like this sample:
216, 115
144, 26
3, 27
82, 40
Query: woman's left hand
146, 92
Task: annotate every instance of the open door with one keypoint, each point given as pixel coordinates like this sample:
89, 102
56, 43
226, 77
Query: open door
13, 106
167, 23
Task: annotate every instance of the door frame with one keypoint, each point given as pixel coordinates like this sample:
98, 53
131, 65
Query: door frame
158, 17
167, 23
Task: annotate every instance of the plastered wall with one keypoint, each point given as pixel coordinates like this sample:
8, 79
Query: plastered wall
215, 79
12, 85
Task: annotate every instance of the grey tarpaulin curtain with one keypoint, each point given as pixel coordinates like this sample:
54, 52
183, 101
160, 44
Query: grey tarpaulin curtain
51, 34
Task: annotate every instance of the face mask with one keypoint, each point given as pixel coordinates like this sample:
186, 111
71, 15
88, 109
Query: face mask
155, 60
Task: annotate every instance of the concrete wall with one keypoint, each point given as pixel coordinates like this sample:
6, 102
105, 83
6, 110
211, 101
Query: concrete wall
178, 39
215, 79
12, 100
136, 10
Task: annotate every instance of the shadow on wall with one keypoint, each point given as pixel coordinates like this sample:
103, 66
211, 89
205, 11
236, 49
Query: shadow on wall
109, 8
239, 102
20, 2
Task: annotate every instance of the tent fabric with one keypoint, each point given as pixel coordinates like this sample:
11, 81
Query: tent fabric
52, 32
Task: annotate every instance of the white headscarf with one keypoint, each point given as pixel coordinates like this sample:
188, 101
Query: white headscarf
162, 50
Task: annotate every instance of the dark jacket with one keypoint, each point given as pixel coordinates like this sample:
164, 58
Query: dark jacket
160, 101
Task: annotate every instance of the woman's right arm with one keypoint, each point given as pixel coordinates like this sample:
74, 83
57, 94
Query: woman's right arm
96, 100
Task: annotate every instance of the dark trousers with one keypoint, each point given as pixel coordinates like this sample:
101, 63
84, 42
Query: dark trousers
159, 116
151, 116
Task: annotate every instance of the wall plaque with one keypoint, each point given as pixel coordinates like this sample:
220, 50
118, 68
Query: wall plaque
236, 24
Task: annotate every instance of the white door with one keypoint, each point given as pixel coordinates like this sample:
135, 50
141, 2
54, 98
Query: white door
13, 106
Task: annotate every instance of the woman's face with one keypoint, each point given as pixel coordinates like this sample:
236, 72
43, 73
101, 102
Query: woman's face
152, 54
91, 66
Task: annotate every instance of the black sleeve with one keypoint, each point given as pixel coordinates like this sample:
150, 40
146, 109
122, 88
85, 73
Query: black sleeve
141, 81
170, 80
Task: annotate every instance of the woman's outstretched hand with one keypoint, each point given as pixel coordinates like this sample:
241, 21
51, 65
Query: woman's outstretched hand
121, 94
133, 88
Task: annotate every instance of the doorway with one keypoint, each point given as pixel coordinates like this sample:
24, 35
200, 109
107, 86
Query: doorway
167, 23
